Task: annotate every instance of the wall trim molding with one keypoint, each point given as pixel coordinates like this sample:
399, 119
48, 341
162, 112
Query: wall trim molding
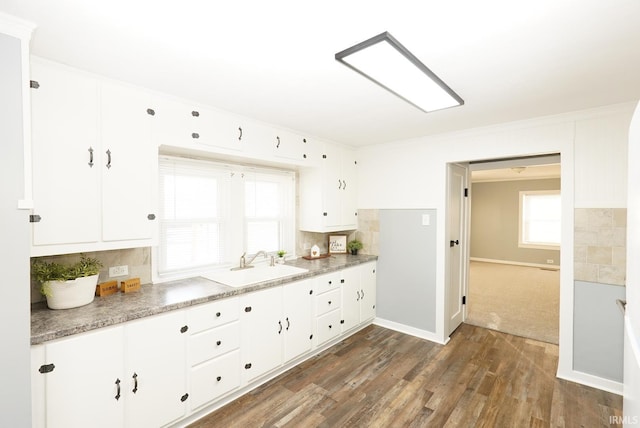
412, 331
509, 262
592, 381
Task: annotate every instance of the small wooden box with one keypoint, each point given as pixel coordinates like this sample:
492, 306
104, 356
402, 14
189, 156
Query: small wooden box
129, 285
106, 288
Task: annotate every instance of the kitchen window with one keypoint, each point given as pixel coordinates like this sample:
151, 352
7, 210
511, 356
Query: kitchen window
540, 219
211, 213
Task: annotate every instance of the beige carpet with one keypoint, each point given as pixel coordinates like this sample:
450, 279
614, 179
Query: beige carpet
523, 301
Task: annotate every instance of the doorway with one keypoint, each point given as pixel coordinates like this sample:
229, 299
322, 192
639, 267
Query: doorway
512, 280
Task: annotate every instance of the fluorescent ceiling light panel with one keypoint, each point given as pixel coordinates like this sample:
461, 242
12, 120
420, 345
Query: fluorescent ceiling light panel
383, 60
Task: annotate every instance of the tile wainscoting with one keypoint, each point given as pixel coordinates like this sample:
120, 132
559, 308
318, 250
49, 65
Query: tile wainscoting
600, 245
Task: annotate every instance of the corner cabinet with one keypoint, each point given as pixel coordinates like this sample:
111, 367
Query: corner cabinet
328, 193
93, 163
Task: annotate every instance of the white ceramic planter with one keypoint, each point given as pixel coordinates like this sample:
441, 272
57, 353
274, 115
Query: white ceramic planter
73, 293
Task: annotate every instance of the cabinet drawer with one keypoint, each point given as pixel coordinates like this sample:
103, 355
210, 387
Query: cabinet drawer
327, 282
328, 326
213, 379
328, 301
209, 315
211, 343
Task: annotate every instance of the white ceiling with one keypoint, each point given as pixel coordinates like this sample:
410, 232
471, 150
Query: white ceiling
274, 60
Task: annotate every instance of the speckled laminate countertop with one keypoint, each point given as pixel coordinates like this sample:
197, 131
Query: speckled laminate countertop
47, 324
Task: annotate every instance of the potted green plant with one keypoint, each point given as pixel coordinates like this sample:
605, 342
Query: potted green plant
281, 254
67, 286
354, 246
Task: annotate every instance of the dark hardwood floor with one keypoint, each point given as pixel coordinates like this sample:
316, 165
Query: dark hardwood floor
381, 378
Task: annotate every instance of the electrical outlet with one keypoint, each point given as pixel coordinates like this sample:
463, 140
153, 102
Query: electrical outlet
549, 261
118, 271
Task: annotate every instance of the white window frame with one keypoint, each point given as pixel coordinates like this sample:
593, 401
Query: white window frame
235, 233
521, 241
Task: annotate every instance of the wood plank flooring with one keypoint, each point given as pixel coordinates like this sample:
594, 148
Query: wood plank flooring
382, 378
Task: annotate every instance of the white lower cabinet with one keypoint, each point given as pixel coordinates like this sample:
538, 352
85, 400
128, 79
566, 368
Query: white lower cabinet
214, 351
328, 302
276, 327
130, 375
84, 380
156, 371
155, 388
358, 295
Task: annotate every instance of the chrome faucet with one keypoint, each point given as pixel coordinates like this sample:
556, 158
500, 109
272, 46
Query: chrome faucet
244, 264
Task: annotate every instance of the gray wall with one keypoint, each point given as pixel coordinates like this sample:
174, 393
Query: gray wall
598, 335
495, 210
15, 398
406, 284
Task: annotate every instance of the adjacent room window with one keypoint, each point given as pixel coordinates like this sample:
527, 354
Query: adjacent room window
540, 219
210, 213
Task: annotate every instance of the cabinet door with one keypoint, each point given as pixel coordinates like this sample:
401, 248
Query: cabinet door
348, 196
350, 281
171, 124
298, 315
86, 388
290, 146
155, 376
262, 332
333, 184
368, 291
128, 164
66, 156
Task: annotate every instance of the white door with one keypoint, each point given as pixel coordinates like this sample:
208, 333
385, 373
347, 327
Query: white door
350, 283
631, 403
66, 156
86, 387
368, 291
262, 332
128, 169
456, 242
155, 370
298, 311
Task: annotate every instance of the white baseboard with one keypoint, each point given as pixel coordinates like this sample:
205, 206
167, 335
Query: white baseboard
509, 262
592, 381
423, 334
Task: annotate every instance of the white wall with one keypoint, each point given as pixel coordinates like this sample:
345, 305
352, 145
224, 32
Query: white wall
415, 177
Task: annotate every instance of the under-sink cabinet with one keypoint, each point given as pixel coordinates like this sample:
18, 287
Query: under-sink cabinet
276, 327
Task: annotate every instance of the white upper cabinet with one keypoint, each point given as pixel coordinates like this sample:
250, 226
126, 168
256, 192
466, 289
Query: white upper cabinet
328, 193
129, 164
93, 163
66, 156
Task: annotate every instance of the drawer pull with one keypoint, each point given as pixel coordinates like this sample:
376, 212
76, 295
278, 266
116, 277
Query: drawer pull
329, 302
218, 314
218, 343
219, 378
135, 383
280, 324
330, 326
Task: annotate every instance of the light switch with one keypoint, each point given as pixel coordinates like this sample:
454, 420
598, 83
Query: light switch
426, 219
